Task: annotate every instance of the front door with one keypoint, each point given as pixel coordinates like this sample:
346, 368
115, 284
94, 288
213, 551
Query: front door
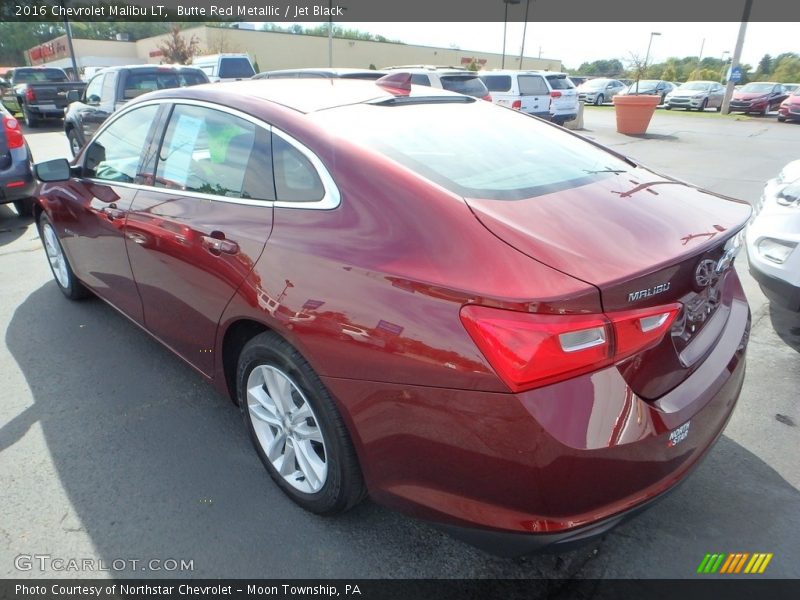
91, 210
197, 228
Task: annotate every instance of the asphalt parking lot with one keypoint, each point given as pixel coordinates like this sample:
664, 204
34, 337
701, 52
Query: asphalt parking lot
112, 448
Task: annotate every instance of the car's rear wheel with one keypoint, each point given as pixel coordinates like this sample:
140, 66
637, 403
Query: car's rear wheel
24, 207
296, 428
74, 143
59, 265
599, 99
781, 119
30, 119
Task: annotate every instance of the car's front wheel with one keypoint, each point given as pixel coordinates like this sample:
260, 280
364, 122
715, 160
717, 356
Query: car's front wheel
599, 100
296, 428
74, 143
59, 264
703, 106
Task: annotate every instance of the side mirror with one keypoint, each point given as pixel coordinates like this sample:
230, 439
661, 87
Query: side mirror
73, 96
53, 170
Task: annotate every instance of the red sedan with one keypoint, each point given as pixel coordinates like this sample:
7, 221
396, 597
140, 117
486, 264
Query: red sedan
474, 316
789, 110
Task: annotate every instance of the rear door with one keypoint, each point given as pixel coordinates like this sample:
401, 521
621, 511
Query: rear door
564, 96
200, 223
534, 95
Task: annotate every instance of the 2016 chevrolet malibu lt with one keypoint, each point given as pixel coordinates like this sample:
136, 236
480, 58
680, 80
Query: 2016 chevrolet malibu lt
477, 318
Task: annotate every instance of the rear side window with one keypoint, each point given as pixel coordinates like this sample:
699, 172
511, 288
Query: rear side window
419, 79
497, 83
532, 85
471, 86
34, 75
114, 155
210, 152
235, 67
559, 82
296, 179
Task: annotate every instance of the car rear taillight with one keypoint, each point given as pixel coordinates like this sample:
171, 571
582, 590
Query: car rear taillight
555, 94
30, 95
14, 137
516, 104
529, 350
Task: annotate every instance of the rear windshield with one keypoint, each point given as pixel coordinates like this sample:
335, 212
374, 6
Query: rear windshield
34, 75
471, 86
497, 83
235, 68
559, 82
476, 150
137, 84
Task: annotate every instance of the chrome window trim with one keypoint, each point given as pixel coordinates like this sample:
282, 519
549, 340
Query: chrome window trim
331, 199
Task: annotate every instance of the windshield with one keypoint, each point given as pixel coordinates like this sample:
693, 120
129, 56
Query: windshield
559, 82
757, 87
475, 150
694, 85
595, 84
33, 75
231, 67
141, 82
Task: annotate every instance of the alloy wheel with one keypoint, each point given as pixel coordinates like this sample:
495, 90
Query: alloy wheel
287, 428
55, 255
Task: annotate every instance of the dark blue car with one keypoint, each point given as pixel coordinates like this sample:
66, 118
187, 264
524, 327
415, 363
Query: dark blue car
16, 178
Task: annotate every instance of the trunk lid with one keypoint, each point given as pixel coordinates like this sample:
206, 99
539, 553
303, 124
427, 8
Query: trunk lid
642, 240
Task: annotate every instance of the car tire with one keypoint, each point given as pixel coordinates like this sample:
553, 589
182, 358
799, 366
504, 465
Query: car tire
63, 274
719, 108
668, 107
703, 106
29, 118
599, 99
74, 143
290, 416
781, 119
24, 207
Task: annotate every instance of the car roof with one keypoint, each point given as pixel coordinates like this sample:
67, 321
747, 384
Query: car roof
150, 68
302, 95
322, 72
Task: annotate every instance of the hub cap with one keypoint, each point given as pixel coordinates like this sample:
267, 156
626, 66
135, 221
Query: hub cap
55, 256
287, 428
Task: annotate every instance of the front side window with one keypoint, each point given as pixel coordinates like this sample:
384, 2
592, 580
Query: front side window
497, 83
208, 151
94, 89
114, 155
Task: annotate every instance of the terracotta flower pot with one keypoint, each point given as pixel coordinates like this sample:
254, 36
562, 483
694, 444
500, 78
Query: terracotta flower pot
634, 112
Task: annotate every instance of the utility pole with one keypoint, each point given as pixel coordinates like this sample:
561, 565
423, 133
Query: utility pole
737, 53
505, 28
330, 33
524, 31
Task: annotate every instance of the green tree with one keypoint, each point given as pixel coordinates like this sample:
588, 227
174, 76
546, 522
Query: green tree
787, 68
765, 65
176, 49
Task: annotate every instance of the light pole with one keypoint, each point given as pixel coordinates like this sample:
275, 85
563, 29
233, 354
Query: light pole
737, 53
646, 59
505, 27
722, 74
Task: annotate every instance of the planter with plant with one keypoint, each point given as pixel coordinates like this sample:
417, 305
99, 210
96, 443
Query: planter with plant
634, 111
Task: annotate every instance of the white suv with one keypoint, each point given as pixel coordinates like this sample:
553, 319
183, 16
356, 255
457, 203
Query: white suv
544, 94
453, 79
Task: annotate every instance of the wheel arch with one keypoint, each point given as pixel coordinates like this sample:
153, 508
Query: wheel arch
236, 335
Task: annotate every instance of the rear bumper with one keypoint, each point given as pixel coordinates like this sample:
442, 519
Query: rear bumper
16, 181
553, 466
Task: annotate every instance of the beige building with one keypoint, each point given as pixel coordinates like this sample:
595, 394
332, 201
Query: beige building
275, 51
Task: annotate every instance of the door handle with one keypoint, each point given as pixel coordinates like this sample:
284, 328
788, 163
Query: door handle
112, 212
216, 244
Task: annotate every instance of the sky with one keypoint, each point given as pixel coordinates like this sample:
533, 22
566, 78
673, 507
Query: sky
574, 43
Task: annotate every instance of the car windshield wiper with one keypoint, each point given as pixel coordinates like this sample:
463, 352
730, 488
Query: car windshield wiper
618, 171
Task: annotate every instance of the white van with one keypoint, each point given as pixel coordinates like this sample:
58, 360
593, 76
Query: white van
225, 67
544, 94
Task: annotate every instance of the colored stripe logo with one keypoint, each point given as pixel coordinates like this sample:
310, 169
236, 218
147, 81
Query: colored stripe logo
735, 563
